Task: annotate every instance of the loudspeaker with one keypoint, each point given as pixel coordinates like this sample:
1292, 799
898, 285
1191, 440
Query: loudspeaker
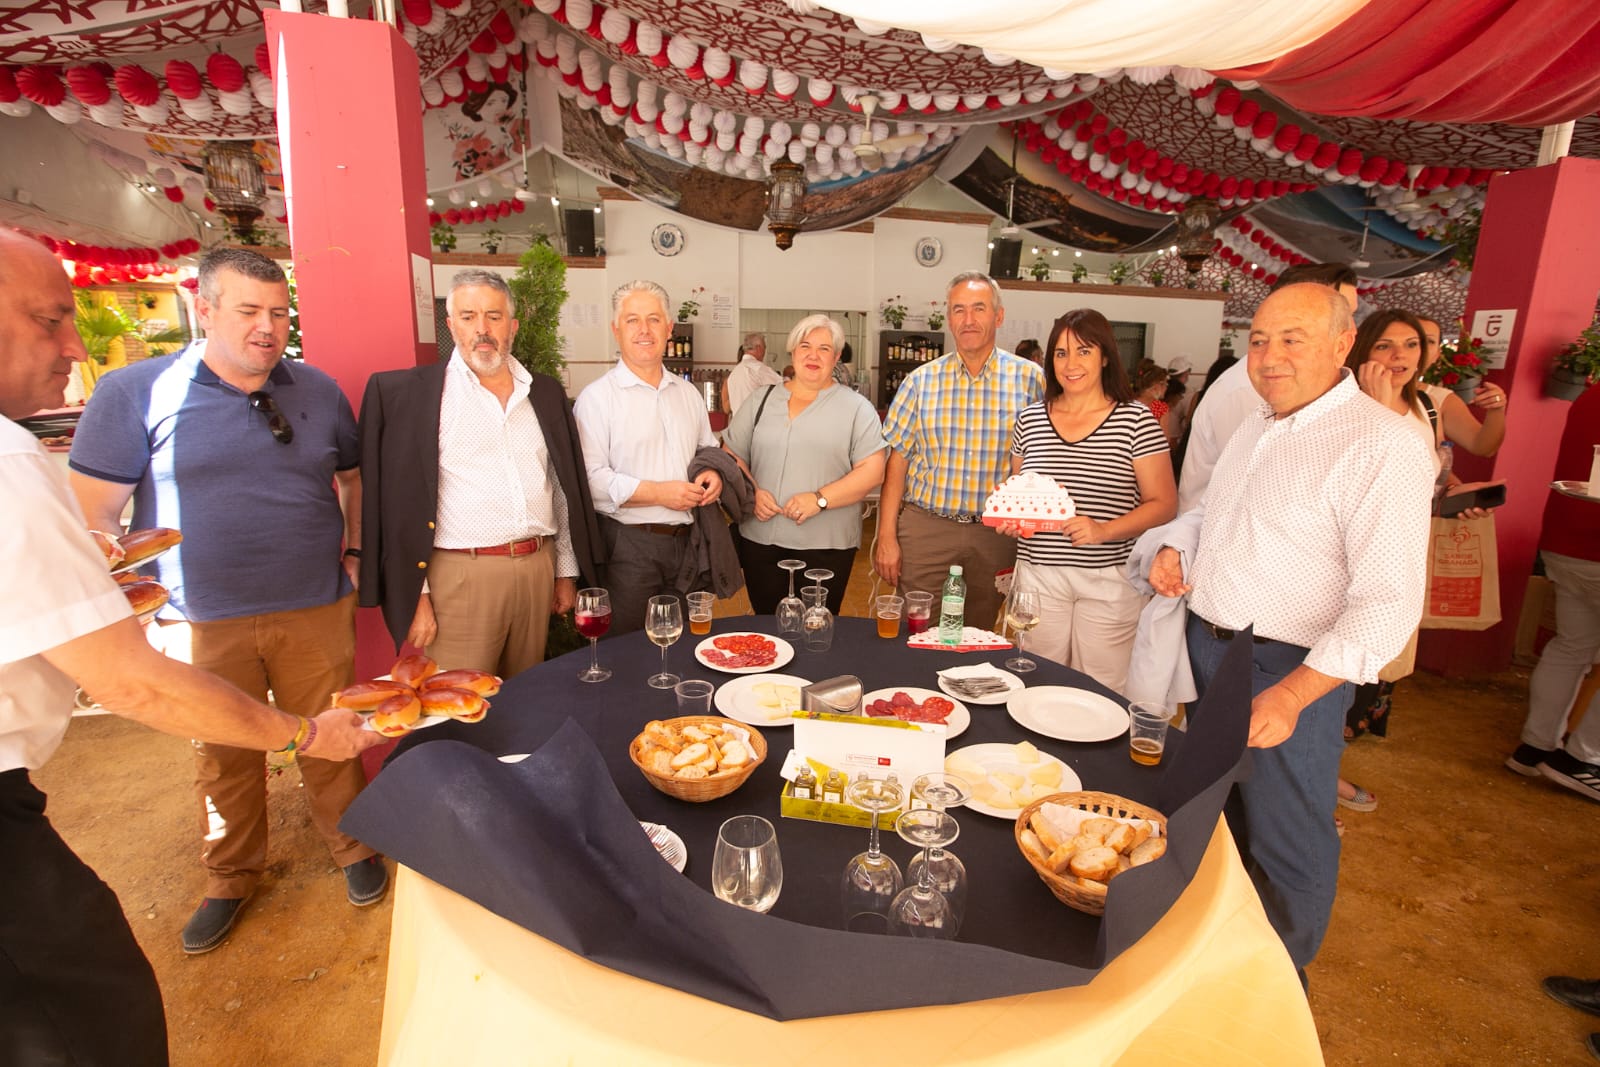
1006, 258
580, 231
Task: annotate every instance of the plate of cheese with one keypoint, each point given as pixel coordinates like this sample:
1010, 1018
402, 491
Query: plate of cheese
761, 699
1007, 778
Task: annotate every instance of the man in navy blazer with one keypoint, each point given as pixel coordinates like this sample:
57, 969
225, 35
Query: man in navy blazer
476, 515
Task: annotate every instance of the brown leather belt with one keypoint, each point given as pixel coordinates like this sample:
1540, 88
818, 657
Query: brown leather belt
526, 547
665, 529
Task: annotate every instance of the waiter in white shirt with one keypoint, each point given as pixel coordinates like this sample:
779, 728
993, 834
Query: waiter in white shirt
74, 985
1314, 532
749, 374
477, 515
1231, 399
641, 428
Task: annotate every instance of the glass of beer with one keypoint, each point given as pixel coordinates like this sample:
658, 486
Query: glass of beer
889, 610
919, 611
1147, 734
700, 612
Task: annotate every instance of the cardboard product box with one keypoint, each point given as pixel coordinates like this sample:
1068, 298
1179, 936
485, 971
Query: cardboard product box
853, 744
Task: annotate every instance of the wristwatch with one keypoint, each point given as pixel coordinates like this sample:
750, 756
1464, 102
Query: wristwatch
822, 501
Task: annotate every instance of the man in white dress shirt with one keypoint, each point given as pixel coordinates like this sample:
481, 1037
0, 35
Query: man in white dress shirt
1231, 398
751, 373
1313, 531
641, 428
477, 516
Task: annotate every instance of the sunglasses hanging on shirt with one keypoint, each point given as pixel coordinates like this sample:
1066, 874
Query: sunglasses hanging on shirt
282, 432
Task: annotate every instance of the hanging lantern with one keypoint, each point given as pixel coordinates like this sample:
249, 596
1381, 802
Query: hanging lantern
785, 192
1195, 224
234, 181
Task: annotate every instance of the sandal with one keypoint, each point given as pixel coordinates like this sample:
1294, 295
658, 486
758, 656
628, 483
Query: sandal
1358, 800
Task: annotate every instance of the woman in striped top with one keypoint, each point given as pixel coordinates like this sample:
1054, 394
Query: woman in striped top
1111, 455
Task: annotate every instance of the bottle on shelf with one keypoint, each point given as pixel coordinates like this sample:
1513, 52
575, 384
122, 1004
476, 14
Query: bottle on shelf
952, 607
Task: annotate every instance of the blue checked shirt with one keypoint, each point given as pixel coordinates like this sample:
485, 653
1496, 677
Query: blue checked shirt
955, 429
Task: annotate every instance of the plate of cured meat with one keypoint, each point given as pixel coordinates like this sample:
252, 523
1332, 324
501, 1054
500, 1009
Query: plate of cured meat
743, 652
918, 705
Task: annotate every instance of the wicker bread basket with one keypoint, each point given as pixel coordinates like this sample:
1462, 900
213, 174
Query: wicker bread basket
1066, 887
699, 790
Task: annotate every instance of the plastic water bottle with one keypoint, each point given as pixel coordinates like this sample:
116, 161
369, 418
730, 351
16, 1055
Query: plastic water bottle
953, 607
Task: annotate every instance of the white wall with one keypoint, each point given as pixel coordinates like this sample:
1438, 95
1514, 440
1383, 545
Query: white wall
829, 270
1177, 326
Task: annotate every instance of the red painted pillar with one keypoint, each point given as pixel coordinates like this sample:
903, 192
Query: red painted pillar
1539, 253
350, 131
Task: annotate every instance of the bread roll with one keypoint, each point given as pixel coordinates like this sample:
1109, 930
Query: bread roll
145, 597
659, 761
140, 545
481, 682
395, 716
1098, 827
1120, 837
413, 670
1151, 850
1141, 833
1059, 860
1085, 841
693, 754
461, 704
1098, 863
366, 696
1033, 846
691, 772
1046, 832
109, 548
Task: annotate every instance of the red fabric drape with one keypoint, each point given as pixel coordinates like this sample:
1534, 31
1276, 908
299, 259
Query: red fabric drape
1522, 62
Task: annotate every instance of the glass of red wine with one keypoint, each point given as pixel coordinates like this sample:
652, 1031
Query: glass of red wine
593, 619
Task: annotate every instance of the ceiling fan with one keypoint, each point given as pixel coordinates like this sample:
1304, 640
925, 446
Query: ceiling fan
1011, 229
870, 150
1361, 262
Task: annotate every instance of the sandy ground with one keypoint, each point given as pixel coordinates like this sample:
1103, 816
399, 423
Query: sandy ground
1466, 887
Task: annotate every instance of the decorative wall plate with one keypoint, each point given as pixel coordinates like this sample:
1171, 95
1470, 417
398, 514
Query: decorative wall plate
930, 250
667, 239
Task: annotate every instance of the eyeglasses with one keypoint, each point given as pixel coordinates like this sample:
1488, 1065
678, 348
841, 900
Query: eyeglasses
282, 432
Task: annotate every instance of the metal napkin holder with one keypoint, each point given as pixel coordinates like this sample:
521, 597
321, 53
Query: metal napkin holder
834, 696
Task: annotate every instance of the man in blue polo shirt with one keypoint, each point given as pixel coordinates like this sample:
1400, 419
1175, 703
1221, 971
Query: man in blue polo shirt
255, 460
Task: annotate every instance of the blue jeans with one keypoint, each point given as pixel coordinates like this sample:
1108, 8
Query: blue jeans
1283, 818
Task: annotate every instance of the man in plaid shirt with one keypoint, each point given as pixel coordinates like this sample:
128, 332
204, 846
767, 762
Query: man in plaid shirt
949, 429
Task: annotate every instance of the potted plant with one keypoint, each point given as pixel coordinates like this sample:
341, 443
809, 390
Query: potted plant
491, 240
539, 289
893, 312
1157, 277
690, 308
148, 300
1459, 367
936, 316
1462, 232
1576, 367
443, 236
1079, 273
1119, 272
1040, 269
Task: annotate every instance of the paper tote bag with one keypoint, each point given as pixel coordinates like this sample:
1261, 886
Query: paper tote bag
1463, 576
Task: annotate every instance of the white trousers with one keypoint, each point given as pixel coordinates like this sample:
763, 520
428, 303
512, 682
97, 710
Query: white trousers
1088, 620
1568, 656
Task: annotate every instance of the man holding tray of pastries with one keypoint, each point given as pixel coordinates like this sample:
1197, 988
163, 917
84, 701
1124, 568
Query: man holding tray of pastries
74, 985
241, 449
477, 514
1314, 530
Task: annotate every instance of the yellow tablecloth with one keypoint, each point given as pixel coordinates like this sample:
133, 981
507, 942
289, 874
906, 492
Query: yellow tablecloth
1210, 984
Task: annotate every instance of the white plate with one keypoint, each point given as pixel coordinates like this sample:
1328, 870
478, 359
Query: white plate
123, 568
785, 653
670, 841
1577, 489
998, 756
421, 724
982, 671
1068, 714
737, 699
957, 722
514, 757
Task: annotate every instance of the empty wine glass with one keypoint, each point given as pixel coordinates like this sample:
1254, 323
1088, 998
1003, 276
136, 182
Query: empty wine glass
746, 868
593, 619
941, 791
663, 624
818, 620
871, 878
1022, 615
791, 609
921, 910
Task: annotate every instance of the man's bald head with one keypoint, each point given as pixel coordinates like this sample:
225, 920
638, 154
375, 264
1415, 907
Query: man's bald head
39, 340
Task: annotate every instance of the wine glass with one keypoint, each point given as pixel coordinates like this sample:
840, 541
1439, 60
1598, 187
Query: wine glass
941, 791
818, 620
871, 878
1022, 615
663, 624
593, 619
921, 910
746, 868
791, 609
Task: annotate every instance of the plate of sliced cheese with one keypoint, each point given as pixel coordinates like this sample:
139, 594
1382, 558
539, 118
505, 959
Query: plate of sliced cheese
1007, 778
761, 699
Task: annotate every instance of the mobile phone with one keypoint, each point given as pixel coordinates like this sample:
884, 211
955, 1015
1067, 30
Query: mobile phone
1490, 496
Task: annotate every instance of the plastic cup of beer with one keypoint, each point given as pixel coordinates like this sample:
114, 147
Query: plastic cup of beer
1147, 734
888, 612
694, 696
919, 611
700, 612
